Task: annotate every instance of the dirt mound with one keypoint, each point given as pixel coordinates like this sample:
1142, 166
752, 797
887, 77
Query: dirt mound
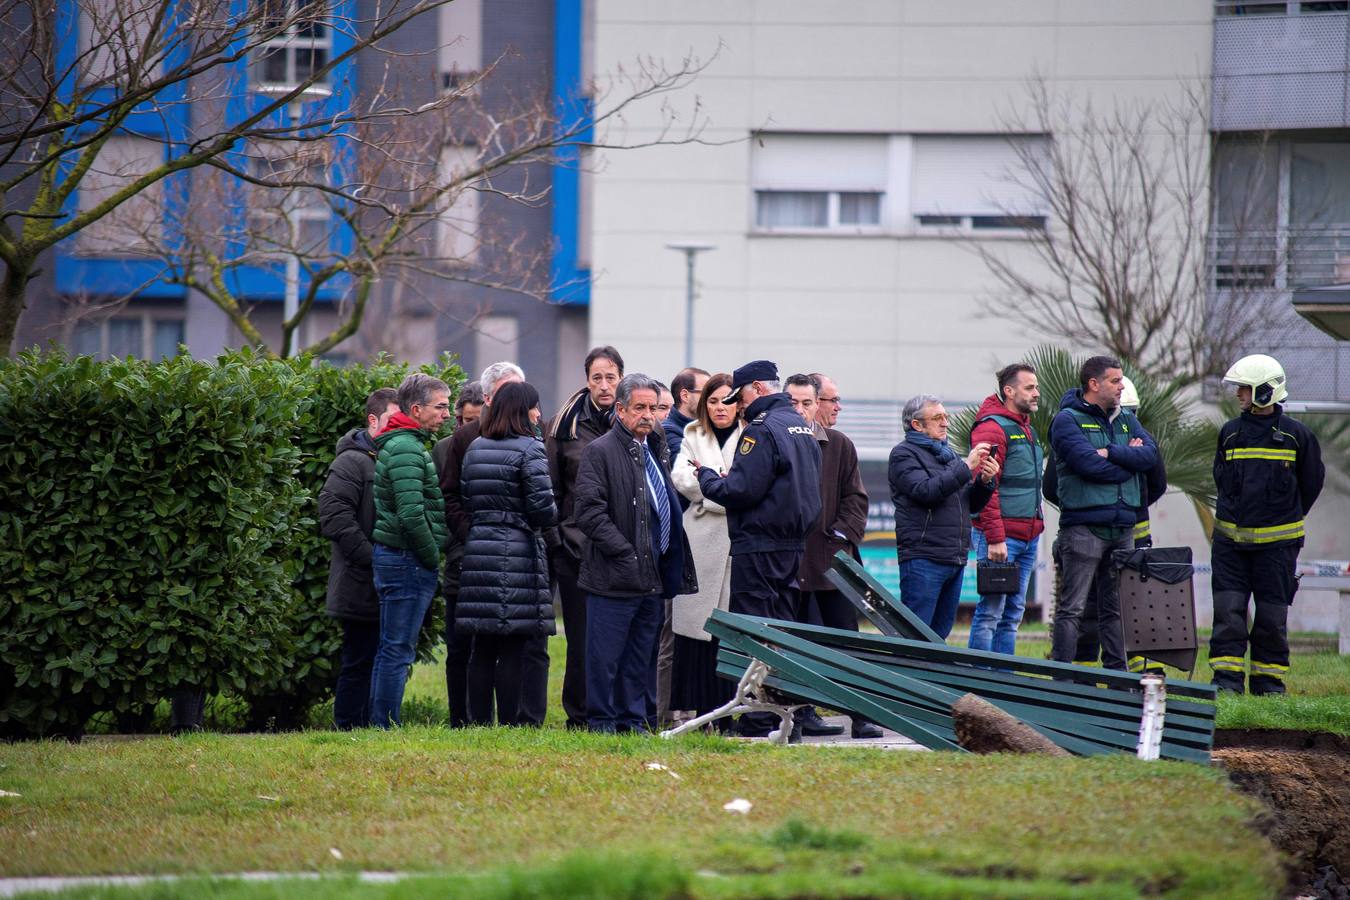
1307, 794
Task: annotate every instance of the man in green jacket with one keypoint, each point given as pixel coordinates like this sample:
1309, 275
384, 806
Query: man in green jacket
408, 538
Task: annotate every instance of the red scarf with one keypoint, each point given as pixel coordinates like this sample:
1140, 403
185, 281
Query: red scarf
400, 420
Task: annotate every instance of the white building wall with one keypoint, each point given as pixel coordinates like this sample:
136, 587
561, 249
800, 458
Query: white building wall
889, 315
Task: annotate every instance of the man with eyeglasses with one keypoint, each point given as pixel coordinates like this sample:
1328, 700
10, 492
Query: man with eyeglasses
843, 519
686, 387
935, 491
408, 537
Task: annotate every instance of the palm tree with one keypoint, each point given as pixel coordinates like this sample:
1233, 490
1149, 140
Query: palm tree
1186, 439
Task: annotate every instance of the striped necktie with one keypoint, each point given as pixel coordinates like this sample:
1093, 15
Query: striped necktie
660, 499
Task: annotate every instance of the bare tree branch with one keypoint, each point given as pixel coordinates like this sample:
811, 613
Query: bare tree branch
408, 191
1122, 261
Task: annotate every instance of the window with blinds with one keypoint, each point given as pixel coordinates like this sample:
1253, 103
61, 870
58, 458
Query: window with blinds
819, 182
135, 225
977, 182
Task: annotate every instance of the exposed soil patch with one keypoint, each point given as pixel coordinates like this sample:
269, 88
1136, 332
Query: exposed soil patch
1304, 781
1278, 739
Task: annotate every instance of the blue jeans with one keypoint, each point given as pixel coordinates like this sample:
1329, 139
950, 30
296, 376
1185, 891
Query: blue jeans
405, 587
994, 626
933, 591
621, 639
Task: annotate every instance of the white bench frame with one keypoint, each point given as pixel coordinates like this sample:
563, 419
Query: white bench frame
1340, 583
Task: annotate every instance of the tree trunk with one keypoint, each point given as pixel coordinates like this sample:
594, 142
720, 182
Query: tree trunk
981, 727
13, 300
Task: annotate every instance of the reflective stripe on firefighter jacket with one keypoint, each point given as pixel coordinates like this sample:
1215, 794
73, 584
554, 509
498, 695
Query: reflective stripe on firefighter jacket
1268, 471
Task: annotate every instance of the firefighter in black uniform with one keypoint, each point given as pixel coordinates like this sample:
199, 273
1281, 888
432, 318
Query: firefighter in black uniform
1268, 470
772, 497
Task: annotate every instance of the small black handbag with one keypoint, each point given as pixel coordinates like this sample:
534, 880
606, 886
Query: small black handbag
997, 577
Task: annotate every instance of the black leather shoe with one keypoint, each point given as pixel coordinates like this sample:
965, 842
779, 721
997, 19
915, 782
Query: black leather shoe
813, 725
864, 730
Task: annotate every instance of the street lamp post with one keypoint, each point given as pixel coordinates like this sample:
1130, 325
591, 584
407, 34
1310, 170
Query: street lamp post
290, 303
690, 249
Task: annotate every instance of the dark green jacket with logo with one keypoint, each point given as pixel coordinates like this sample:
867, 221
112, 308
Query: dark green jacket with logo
1095, 489
409, 508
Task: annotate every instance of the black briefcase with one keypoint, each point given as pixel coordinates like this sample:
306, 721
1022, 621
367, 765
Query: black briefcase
997, 578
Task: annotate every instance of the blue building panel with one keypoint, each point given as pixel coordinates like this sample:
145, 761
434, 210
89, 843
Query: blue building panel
168, 120
570, 284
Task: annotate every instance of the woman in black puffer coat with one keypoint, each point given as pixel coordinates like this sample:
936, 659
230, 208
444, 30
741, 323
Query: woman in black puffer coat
504, 597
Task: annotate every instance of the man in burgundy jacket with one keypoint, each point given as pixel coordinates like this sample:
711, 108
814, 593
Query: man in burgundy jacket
843, 519
1008, 529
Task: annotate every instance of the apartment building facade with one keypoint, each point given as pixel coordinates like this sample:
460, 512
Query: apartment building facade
100, 293
858, 157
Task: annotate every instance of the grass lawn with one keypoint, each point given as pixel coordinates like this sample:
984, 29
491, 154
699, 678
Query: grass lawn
521, 813
500, 812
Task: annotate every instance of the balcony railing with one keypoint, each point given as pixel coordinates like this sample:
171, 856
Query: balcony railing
1307, 256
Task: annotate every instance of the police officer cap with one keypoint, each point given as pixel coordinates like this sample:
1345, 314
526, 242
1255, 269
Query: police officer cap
758, 370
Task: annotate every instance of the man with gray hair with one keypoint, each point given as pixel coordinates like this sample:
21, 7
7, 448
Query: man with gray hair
449, 455
408, 536
935, 491
635, 555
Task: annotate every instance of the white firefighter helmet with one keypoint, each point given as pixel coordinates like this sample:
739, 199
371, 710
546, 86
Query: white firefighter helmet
1263, 374
1129, 396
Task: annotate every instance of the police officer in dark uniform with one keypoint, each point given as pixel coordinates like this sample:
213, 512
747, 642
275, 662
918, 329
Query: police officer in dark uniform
772, 497
1268, 470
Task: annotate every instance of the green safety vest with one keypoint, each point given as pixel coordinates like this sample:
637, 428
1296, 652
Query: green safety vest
1019, 483
1078, 493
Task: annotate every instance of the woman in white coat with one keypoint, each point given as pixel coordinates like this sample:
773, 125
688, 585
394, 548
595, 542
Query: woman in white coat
710, 440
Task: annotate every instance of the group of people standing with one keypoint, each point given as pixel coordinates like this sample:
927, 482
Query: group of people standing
1103, 471
646, 507
675, 501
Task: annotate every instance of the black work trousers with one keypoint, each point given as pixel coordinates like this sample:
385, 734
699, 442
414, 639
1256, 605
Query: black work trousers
351, 700
573, 600
1267, 576
829, 608
500, 668
765, 584
1084, 559
457, 646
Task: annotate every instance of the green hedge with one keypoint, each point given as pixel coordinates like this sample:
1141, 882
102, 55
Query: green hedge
146, 506
157, 530
307, 670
